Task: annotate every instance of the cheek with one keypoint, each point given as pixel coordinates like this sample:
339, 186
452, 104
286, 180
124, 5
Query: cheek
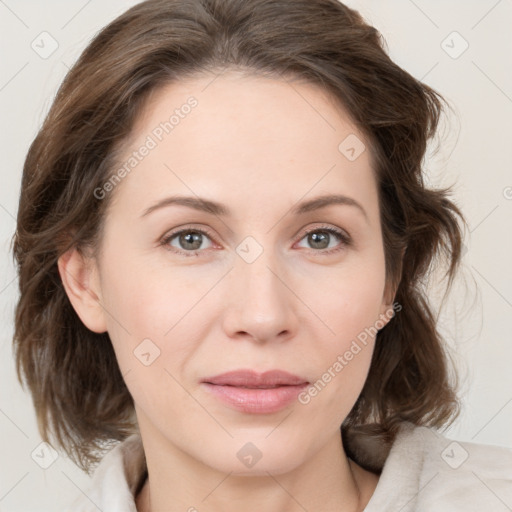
349, 298
342, 357
154, 313
349, 303
142, 308
138, 308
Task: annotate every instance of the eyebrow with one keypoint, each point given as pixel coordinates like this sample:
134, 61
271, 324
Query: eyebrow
215, 208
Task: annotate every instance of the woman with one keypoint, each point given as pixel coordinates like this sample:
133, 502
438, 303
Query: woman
293, 362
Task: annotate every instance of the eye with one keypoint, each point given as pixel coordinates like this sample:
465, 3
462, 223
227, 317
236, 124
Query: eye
188, 241
321, 237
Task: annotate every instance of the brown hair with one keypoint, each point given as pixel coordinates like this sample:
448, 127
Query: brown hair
78, 391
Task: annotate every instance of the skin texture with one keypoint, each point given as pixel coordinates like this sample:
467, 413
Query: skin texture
259, 146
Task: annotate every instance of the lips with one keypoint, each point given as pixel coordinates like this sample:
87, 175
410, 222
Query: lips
255, 393
253, 380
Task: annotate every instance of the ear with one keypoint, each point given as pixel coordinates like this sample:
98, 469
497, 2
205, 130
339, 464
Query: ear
80, 277
390, 292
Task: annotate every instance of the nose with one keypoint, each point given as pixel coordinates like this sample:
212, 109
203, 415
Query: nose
260, 303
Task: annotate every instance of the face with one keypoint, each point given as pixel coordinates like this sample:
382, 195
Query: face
264, 284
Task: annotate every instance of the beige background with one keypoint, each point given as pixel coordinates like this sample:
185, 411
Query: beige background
476, 154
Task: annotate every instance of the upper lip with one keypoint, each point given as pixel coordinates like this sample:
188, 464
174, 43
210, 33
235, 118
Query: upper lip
250, 378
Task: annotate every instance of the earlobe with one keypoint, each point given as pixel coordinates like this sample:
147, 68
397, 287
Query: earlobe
80, 279
389, 297
386, 313
388, 304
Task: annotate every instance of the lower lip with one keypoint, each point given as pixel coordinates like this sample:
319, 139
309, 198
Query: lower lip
260, 401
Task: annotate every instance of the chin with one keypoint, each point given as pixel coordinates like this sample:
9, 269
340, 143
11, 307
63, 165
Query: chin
256, 458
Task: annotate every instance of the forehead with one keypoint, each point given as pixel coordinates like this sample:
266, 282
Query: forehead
245, 137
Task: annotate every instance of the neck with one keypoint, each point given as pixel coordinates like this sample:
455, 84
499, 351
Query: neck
327, 481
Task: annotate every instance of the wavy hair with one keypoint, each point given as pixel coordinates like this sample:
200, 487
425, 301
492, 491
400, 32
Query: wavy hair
80, 397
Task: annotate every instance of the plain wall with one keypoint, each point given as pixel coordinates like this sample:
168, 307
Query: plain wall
475, 155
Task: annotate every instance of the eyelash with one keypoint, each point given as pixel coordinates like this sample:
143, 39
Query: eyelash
346, 241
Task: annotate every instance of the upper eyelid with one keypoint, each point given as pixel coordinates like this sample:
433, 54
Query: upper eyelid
172, 233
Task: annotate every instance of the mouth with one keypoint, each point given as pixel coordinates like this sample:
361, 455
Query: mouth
250, 392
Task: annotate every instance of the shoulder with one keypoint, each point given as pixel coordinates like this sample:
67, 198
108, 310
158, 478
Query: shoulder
115, 479
465, 474
425, 470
